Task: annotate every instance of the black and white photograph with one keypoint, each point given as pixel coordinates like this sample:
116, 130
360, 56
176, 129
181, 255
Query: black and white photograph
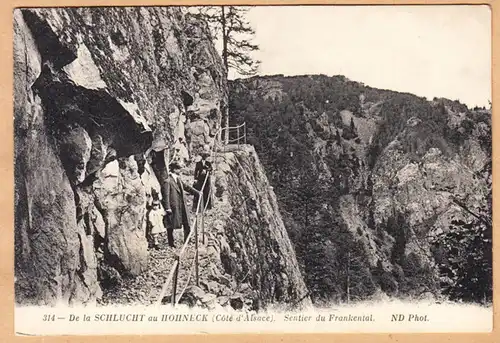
225, 169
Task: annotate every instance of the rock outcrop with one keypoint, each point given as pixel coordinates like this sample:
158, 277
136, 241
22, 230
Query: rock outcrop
96, 89
248, 260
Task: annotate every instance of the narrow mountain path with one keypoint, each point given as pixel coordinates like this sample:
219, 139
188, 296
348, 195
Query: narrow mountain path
145, 288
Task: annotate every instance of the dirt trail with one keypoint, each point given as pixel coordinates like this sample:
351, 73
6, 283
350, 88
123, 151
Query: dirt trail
145, 288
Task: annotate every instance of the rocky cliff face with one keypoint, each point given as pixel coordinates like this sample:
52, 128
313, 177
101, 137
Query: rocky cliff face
95, 90
249, 259
385, 171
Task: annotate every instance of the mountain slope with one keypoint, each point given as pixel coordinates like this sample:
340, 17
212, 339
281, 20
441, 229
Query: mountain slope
365, 178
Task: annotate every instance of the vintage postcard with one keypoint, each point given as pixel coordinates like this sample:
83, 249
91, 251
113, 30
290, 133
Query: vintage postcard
229, 169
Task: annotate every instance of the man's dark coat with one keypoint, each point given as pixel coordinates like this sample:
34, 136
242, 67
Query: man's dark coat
174, 200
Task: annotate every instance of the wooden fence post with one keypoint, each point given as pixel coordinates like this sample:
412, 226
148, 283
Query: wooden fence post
203, 216
196, 266
238, 135
245, 132
226, 136
174, 285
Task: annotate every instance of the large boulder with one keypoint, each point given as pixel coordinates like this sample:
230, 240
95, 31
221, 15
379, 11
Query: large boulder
121, 198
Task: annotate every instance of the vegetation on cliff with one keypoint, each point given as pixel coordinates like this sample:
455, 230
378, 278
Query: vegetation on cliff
354, 167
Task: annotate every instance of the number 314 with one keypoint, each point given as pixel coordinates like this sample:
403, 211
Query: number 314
49, 317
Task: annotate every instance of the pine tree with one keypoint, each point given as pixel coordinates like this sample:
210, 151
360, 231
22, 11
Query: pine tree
398, 228
354, 273
337, 138
229, 25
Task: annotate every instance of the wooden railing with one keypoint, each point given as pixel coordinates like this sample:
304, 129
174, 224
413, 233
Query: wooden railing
240, 131
197, 222
173, 276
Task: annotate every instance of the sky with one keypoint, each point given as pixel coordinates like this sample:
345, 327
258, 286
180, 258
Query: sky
431, 51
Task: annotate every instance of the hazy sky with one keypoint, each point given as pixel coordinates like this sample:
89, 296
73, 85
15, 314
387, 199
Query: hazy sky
441, 51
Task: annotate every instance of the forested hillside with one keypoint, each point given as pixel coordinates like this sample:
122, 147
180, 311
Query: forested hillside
379, 189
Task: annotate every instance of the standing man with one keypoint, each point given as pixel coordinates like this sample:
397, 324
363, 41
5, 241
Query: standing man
175, 203
202, 170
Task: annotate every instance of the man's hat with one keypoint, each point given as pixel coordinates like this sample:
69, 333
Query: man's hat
174, 166
206, 151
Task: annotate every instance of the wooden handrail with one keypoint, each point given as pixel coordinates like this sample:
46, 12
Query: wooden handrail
239, 136
194, 228
233, 127
172, 273
236, 139
187, 282
170, 277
